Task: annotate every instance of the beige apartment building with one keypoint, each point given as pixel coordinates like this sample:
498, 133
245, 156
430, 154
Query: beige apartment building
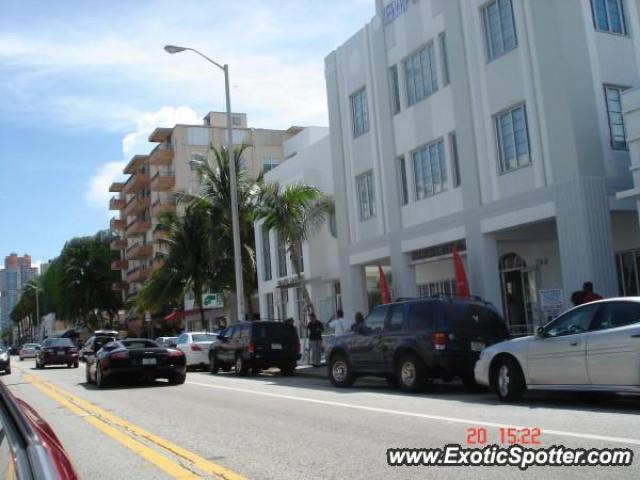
154, 179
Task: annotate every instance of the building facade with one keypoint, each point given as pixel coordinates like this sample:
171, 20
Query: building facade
280, 293
494, 126
16, 273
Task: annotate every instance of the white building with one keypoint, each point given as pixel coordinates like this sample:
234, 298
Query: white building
308, 161
495, 125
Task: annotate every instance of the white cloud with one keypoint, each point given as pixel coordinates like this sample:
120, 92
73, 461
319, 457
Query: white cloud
98, 192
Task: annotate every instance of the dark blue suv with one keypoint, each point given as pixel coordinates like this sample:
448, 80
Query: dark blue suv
411, 341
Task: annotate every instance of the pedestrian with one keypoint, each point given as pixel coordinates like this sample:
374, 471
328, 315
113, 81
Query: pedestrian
577, 298
358, 326
340, 325
315, 329
589, 294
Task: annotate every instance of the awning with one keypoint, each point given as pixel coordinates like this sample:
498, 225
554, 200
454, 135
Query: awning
174, 316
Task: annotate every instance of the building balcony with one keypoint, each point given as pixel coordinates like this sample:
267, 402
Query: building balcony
119, 264
137, 274
163, 181
137, 182
162, 206
139, 250
118, 244
137, 227
117, 223
159, 234
117, 203
119, 286
135, 164
161, 155
116, 187
135, 205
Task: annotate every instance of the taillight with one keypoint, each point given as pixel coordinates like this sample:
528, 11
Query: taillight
119, 355
251, 347
439, 341
195, 347
175, 353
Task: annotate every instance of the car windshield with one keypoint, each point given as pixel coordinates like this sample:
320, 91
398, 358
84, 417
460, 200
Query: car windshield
203, 337
57, 342
133, 344
469, 317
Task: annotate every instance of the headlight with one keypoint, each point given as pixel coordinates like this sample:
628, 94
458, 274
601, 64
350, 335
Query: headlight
4, 357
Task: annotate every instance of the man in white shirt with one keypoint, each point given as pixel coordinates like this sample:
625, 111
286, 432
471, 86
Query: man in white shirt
340, 325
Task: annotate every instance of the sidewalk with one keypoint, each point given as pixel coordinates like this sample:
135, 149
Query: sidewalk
311, 371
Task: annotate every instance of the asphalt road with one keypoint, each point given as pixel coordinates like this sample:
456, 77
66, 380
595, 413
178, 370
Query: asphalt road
301, 428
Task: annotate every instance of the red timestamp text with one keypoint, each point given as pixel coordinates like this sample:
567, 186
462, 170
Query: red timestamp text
505, 436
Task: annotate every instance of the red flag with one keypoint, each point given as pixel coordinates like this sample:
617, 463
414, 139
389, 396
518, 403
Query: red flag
462, 286
384, 287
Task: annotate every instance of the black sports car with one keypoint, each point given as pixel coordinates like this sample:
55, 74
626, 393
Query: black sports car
136, 358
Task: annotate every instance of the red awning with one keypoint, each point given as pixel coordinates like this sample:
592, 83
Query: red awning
174, 316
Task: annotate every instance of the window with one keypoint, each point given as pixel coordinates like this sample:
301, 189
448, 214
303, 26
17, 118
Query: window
300, 305
608, 16
282, 306
430, 170
396, 321
395, 89
282, 256
571, 323
617, 314
420, 75
499, 28
440, 287
366, 195
269, 163
421, 316
442, 40
455, 163
402, 175
513, 139
628, 264
359, 113
266, 254
236, 120
375, 320
612, 96
270, 314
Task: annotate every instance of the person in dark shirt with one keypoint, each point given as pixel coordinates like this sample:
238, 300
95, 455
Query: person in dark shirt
589, 294
315, 329
358, 326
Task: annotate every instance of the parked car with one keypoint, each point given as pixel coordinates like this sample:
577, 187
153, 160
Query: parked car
137, 358
14, 349
411, 341
30, 448
593, 347
167, 341
254, 346
195, 346
95, 343
5, 360
28, 350
57, 351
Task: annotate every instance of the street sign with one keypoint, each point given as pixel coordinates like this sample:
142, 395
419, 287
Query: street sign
213, 300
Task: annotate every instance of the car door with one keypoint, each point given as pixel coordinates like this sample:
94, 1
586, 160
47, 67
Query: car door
365, 348
395, 331
558, 356
613, 345
225, 350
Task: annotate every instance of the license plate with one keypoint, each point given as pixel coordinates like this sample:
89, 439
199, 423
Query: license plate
276, 346
477, 346
148, 361
60, 352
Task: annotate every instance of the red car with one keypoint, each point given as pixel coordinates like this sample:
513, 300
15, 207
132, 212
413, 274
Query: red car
34, 449
57, 351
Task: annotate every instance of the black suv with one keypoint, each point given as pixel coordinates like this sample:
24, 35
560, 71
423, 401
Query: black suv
413, 340
255, 346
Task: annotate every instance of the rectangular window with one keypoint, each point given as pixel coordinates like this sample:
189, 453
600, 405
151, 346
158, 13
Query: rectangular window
512, 135
366, 195
282, 256
283, 304
300, 306
269, 163
499, 28
402, 175
270, 313
441, 287
442, 38
455, 163
266, 254
395, 89
628, 265
359, 112
608, 16
612, 96
420, 75
430, 170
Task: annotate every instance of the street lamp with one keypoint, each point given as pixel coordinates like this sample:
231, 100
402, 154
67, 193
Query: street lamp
235, 222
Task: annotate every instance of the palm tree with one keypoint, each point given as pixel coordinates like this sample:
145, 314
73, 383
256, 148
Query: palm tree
296, 212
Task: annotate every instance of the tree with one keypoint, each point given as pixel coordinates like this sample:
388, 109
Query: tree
296, 212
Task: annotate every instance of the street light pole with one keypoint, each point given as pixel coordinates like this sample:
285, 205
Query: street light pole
233, 181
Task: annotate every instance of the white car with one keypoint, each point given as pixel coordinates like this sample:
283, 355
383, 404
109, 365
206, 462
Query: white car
28, 350
195, 346
593, 347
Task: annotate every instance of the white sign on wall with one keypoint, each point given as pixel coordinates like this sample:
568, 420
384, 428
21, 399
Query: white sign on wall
551, 302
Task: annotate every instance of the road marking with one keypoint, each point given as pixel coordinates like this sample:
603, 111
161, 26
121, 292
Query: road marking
425, 416
92, 412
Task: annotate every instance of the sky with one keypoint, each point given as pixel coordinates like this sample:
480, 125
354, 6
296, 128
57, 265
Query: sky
84, 82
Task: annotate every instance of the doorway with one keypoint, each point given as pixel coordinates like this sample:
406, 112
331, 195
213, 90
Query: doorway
518, 293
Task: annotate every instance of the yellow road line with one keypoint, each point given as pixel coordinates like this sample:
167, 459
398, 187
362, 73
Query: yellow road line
194, 459
174, 469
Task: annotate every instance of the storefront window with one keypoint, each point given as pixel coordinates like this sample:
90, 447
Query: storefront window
628, 265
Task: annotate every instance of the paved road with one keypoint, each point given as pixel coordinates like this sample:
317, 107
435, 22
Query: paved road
294, 428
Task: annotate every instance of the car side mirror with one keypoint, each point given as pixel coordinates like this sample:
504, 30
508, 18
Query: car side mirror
540, 332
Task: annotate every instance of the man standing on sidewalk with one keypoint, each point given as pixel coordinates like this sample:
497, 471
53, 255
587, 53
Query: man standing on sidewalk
315, 329
340, 325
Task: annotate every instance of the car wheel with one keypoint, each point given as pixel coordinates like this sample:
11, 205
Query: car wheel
88, 375
241, 366
214, 364
340, 372
288, 369
509, 381
100, 381
177, 378
410, 373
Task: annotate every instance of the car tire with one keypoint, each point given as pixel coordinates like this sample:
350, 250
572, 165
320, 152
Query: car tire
177, 378
288, 369
509, 381
340, 372
100, 381
411, 374
241, 366
214, 364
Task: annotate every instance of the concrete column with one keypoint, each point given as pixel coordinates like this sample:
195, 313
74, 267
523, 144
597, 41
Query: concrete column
585, 236
483, 265
404, 275
354, 290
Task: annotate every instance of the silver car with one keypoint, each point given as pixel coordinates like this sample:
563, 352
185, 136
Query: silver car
593, 347
28, 350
